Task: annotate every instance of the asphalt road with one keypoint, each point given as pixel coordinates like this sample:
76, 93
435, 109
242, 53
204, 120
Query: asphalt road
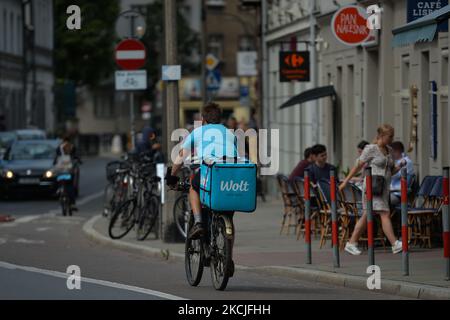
37, 249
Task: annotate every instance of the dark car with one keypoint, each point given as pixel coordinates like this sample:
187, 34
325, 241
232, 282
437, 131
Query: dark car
6, 140
28, 164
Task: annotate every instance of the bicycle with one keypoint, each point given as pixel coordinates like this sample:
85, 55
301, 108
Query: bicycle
141, 207
181, 207
213, 250
63, 180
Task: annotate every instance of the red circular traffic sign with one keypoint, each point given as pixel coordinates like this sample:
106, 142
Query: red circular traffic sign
130, 54
349, 25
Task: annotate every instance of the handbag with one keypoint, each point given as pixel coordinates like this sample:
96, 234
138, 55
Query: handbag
378, 182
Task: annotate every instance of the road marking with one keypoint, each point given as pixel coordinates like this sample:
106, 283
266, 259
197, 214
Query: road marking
105, 283
89, 198
29, 241
42, 229
52, 212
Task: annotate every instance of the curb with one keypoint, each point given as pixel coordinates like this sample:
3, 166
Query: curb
392, 287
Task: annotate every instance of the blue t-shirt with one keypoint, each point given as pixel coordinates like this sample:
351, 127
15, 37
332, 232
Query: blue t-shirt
211, 141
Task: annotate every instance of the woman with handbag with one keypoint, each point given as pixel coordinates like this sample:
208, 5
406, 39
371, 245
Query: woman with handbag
379, 157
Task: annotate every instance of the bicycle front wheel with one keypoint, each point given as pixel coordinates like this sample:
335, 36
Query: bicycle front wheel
194, 259
147, 218
181, 212
221, 257
122, 220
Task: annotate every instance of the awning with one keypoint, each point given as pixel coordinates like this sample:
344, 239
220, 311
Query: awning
420, 30
308, 95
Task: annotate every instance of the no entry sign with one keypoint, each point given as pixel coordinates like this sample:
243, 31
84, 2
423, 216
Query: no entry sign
349, 25
130, 54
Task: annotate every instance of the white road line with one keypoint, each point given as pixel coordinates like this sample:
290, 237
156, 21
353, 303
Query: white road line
29, 241
52, 212
116, 285
89, 198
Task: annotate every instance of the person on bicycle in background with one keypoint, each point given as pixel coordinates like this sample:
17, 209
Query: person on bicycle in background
66, 156
149, 146
209, 141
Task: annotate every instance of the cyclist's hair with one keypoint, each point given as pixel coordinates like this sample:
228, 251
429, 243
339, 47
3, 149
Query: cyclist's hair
211, 113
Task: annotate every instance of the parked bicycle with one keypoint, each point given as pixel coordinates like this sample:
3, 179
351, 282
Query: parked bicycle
141, 206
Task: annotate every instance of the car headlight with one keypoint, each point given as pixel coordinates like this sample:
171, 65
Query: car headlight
48, 174
9, 174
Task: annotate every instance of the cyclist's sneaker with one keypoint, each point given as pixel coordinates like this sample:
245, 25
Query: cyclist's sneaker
397, 247
197, 231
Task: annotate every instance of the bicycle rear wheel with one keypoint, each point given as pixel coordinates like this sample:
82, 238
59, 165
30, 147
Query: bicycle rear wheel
122, 220
181, 212
221, 258
194, 259
148, 218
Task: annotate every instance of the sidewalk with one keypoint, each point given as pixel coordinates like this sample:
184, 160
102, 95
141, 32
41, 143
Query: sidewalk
259, 246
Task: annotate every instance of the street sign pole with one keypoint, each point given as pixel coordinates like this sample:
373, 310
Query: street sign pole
132, 122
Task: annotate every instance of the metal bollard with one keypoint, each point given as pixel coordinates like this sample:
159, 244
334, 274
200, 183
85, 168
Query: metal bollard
369, 198
307, 216
334, 223
446, 222
405, 252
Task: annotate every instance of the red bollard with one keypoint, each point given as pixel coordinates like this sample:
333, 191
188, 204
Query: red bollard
404, 206
369, 198
307, 216
334, 224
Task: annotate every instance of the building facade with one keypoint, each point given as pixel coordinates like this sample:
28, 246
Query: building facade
375, 83
26, 64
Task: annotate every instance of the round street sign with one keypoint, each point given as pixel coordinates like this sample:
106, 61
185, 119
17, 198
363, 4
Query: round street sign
349, 25
130, 54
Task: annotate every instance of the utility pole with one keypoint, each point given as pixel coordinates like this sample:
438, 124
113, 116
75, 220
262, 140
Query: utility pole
204, 53
168, 227
312, 34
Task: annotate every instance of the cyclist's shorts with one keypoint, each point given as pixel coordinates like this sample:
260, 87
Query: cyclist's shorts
195, 183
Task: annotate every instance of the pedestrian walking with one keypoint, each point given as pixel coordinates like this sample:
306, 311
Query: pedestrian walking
379, 157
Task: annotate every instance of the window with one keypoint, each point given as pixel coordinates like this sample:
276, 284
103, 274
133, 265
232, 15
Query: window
103, 105
246, 43
444, 68
5, 33
215, 3
215, 45
11, 32
405, 71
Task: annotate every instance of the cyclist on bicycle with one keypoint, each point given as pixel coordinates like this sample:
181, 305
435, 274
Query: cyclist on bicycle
64, 162
209, 141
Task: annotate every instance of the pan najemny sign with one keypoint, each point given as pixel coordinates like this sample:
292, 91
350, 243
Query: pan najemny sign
294, 66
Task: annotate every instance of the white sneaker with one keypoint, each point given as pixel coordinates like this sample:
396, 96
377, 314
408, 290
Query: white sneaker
352, 249
397, 247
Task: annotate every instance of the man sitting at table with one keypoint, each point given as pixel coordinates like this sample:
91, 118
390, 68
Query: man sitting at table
399, 155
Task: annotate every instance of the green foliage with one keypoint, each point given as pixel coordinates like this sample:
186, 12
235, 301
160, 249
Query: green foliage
86, 56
